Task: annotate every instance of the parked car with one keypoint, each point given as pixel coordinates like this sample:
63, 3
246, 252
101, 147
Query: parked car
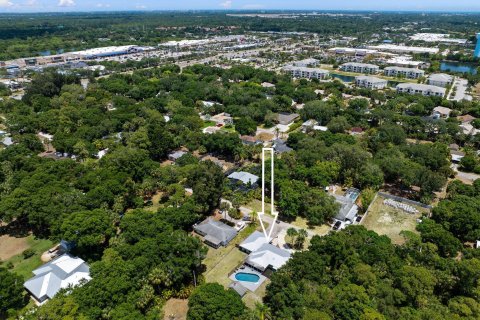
337, 225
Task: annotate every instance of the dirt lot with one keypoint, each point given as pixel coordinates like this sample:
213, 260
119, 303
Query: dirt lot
386, 220
11, 246
175, 309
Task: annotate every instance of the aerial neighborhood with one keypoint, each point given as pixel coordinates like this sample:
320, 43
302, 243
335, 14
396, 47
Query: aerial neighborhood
239, 164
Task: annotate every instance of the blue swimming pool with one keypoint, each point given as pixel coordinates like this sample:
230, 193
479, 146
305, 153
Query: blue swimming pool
247, 277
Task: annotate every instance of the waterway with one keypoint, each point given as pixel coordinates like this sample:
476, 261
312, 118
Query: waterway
458, 67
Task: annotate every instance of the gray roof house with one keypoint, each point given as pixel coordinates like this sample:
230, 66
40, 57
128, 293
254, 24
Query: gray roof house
348, 209
245, 178
287, 118
215, 233
280, 146
60, 273
253, 242
174, 156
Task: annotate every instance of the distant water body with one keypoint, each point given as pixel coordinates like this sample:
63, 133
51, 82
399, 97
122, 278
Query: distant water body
459, 67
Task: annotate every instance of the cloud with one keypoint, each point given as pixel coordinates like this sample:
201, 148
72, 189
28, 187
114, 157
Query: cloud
5, 3
103, 5
226, 4
140, 6
31, 3
66, 3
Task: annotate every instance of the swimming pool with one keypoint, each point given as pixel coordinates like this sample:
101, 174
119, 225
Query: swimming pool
247, 277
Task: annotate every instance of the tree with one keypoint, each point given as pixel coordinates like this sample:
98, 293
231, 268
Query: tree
300, 241
292, 234
338, 124
89, 230
207, 183
211, 301
246, 126
11, 291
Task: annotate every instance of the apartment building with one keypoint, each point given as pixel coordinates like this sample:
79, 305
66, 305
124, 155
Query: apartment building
308, 73
422, 89
440, 80
359, 67
409, 73
370, 82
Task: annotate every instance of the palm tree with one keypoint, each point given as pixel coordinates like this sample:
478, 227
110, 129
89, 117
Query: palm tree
262, 311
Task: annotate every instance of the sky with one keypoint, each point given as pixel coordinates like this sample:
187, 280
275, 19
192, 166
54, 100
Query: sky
116, 5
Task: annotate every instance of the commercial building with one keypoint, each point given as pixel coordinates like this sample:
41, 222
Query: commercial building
108, 51
406, 61
422, 89
60, 273
410, 73
370, 82
352, 51
437, 37
306, 72
403, 49
477, 48
359, 67
440, 80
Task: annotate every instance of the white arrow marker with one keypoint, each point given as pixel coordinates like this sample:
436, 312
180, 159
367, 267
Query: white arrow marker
272, 208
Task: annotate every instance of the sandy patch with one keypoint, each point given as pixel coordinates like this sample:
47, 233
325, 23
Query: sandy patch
12, 246
176, 309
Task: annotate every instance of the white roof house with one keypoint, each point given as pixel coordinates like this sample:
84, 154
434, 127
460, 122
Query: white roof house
268, 256
62, 272
244, 177
253, 242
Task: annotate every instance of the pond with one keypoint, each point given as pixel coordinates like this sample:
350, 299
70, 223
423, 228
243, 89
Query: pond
342, 77
458, 67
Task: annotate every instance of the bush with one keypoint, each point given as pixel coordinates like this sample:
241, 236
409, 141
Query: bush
28, 253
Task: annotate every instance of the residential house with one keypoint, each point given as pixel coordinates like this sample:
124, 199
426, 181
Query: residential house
422, 89
348, 209
441, 112
456, 155
370, 82
280, 146
440, 80
250, 141
62, 272
246, 179
267, 257
215, 233
174, 156
287, 118
222, 119
253, 242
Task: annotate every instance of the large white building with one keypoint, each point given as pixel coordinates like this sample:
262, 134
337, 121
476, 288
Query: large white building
370, 82
305, 72
410, 73
403, 49
310, 62
422, 89
440, 79
359, 67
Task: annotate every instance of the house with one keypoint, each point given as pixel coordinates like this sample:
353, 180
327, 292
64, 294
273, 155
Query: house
210, 130
62, 272
7, 141
245, 178
441, 112
456, 155
360, 67
466, 118
174, 156
209, 104
370, 82
101, 153
222, 119
410, 73
287, 118
348, 209
253, 242
215, 233
440, 80
280, 146
308, 125
422, 89
356, 130
267, 256
267, 85
454, 146
250, 141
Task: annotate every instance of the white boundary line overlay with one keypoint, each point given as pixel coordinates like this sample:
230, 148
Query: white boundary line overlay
272, 207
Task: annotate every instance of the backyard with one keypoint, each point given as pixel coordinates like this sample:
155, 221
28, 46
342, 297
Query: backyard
389, 221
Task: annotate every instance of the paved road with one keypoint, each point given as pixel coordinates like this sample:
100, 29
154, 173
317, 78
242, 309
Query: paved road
467, 177
461, 86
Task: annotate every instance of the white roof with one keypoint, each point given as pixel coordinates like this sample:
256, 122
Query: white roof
440, 77
268, 255
60, 273
254, 241
370, 79
245, 177
392, 47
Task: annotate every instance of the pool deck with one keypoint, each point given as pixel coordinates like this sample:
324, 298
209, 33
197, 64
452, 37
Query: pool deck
252, 286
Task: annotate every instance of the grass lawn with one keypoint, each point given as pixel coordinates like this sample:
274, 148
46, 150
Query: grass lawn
256, 205
220, 262
208, 124
251, 298
389, 221
319, 230
24, 267
155, 202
